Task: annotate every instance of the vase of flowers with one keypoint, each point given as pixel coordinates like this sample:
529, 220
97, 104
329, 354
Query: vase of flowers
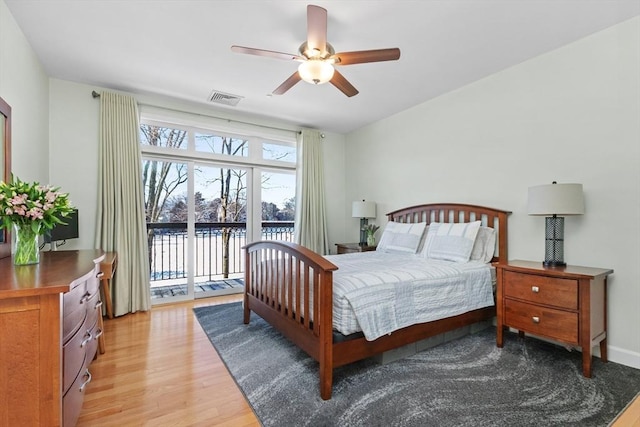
31, 209
370, 230
26, 247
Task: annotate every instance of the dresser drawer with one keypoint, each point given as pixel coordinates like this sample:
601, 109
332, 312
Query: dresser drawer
557, 292
74, 311
72, 298
72, 400
93, 284
543, 321
72, 322
93, 326
73, 356
91, 347
93, 307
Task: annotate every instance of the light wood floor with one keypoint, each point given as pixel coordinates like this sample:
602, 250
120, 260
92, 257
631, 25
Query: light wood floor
160, 369
631, 416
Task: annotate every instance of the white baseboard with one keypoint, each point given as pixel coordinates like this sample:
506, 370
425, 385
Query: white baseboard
624, 357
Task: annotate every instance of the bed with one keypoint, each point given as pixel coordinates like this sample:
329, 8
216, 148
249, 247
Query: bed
292, 288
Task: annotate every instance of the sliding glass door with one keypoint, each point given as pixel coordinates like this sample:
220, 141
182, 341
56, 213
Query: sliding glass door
166, 185
207, 194
220, 205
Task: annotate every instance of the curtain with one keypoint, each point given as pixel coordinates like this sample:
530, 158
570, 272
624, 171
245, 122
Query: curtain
311, 217
121, 214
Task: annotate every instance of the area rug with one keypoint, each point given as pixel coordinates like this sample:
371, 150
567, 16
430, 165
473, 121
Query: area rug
465, 382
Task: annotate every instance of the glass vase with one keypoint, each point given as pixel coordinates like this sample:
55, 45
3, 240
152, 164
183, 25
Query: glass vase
371, 240
26, 250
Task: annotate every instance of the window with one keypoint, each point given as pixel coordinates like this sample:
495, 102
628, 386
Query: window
280, 152
165, 137
208, 192
227, 145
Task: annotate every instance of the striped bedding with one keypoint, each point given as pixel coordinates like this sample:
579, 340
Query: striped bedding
378, 293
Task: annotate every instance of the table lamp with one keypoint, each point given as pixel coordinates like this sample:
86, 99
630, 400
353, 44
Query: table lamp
555, 201
363, 210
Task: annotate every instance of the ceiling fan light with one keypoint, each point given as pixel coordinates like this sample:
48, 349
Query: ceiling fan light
316, 71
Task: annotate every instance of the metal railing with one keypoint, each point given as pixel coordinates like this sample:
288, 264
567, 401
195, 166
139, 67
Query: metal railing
218, 248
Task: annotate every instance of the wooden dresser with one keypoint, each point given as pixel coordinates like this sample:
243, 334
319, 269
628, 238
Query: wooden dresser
565, 304
48, 336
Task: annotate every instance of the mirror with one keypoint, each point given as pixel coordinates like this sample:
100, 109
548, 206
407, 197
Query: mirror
5, 166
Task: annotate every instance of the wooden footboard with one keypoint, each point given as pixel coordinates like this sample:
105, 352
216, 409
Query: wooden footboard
291, 287
278, 278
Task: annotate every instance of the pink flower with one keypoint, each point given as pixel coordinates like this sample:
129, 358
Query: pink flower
35, 213
18, 200
51, 196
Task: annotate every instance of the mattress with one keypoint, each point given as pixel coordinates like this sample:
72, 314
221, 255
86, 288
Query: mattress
377, 293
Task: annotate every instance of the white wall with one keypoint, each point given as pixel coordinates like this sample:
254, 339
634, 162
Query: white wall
74, 153
25, 87
572, 115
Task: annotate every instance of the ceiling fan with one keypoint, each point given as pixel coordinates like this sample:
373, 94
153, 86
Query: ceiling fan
317, 57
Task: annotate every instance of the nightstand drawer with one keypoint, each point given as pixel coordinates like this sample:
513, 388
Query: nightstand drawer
543, 321
557, 292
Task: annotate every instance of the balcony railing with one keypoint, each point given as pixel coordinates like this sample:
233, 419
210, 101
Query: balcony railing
168, 244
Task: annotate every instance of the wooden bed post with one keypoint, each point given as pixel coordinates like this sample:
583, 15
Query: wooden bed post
247, 285
326, 334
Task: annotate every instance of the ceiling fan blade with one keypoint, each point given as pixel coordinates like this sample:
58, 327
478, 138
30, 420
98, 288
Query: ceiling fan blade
317, 28
267, 53
363, 56
287, 84
343, 84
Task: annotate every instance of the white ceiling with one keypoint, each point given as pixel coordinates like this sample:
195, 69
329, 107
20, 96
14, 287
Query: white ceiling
181, 48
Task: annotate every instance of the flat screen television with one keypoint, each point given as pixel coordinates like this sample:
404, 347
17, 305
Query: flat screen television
64, 231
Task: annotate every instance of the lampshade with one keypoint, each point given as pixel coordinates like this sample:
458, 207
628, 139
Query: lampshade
363, 209
316, 71
556, 199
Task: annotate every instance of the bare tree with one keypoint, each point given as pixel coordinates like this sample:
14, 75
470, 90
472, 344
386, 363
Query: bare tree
160, 179
232, 195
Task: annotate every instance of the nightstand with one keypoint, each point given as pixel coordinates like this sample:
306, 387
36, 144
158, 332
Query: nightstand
348, 248
565, 304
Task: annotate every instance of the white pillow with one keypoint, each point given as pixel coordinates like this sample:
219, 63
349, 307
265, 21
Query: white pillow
451, 241
401, 237
484, 246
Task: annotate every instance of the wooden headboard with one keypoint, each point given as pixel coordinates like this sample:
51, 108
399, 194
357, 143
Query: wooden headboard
457, 212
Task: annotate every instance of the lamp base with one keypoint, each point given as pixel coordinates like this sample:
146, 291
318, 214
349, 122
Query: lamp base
554, 242
554, 264
363, 234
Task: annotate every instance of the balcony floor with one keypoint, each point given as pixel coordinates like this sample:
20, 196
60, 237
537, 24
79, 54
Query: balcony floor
226, 285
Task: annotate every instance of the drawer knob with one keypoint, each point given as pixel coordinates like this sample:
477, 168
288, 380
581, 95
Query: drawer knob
87, 375
98, 334
535, 319
86, 297
88, 338
535, 289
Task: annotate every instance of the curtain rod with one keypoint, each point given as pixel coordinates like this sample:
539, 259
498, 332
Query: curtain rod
97, 95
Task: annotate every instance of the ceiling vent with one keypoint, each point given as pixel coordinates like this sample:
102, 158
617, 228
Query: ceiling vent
224, 98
